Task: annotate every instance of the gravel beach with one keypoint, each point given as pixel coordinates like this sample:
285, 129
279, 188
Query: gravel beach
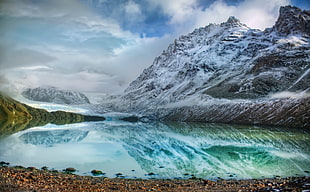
18, 179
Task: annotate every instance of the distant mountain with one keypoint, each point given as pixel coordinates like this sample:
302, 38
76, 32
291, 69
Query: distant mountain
229, 69
53, 95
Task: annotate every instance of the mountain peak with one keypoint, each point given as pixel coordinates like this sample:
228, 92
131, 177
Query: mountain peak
232, 22
199, 62
232, 19
293, 20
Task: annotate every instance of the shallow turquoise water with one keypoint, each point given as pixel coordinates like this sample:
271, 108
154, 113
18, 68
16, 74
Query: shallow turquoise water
165, 150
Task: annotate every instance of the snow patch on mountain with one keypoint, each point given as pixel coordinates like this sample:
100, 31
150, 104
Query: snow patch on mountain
53, 95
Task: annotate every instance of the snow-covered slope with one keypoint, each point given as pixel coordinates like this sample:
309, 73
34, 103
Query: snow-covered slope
53, 95
230, 60
224, 63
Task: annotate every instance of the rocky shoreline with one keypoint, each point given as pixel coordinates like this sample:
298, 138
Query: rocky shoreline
31, 179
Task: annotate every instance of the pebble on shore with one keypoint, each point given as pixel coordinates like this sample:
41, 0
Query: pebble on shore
23, 179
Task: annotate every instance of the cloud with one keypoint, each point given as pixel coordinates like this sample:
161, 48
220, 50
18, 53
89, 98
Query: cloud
104, 47
132, 14
44, 8
132, 8
260, 13
14, 57
6, 86
254, 13
290, 95
130, 60
217, 12
58, 43
186, 15
178, 10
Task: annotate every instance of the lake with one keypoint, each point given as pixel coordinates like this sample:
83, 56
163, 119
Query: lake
162, 150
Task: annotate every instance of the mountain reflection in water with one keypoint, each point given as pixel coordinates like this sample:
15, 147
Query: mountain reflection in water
49, 138
167, 150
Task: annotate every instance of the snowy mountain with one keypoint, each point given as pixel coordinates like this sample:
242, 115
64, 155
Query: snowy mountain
53, 95
231, 60
229, 68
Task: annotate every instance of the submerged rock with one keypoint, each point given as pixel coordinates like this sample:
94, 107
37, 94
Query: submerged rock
69, 170
4, 164
97, 172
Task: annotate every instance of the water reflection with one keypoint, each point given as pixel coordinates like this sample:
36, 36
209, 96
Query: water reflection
49, 138
168, 150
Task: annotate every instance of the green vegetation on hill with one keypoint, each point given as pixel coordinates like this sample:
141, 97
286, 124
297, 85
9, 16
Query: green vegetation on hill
16, 116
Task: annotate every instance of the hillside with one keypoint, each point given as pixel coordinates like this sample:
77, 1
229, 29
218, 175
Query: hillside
16, 116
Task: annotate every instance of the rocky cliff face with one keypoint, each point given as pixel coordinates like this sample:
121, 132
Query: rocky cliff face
53, 95
293, 21
226, 62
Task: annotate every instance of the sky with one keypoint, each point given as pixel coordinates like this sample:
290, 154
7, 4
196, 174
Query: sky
102, 45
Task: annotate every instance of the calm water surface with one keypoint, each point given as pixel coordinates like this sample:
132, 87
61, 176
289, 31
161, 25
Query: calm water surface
167, 150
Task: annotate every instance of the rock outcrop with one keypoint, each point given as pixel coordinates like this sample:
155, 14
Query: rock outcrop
293, 20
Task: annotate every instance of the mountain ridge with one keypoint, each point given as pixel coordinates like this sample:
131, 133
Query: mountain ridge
54, 95
213, 51
227, 63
